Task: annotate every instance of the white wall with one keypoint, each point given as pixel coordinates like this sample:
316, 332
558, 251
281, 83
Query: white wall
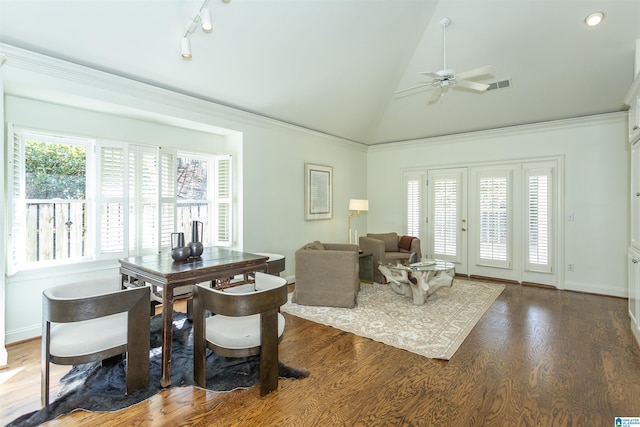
596, 186
269, 159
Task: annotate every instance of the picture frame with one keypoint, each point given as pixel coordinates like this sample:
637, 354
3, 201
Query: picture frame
318, 192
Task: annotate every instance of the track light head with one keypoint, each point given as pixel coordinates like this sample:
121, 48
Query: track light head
205, 18
185, 48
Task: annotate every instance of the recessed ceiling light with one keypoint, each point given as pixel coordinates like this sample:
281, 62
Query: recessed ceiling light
594, 19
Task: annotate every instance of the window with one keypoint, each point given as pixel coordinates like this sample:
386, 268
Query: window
49, 199
494, 240
413, 204
445, 216
538, 211
125, 200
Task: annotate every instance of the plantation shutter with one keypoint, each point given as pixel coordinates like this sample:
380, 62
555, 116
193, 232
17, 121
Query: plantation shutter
111, 200
144, 199
538, 209
167, 183
494, 233
414, 204
445, 218
223, 201
16, 201
445, 210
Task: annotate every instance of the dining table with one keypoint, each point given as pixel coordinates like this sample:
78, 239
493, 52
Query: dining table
216, 266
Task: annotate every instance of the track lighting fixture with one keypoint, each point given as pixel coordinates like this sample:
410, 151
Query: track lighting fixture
185, 48
203, 15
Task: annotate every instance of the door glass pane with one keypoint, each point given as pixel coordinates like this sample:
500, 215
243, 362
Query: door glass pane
413, 207
538, 225
493, 208
445, 216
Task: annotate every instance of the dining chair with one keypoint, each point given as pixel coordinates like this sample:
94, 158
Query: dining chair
241, 324
92, 321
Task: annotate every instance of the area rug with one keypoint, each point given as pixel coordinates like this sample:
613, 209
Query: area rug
98, 388
434, 330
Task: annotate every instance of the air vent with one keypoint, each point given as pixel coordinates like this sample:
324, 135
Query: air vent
503, 84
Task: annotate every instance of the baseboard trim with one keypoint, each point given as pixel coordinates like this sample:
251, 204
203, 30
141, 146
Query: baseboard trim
493, 279
590, 288
539, 285
23, 334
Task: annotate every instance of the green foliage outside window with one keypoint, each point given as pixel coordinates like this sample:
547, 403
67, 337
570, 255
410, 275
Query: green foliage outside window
55, 171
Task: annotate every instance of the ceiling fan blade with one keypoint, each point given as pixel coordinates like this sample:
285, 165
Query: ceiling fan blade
480, 87
431, 74
411, 88
487, 69
435, 96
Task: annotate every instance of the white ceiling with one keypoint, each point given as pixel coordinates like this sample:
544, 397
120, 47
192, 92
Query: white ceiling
334, 65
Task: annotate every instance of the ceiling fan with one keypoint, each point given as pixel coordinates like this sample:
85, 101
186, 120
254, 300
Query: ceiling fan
448, 78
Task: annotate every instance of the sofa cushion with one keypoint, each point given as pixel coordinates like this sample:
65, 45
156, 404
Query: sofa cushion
390, 240
315, 245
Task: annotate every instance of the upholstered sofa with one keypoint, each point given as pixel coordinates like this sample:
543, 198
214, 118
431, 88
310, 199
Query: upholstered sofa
327, 275
388, 248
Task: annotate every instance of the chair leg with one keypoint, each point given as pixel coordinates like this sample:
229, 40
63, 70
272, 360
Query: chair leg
138, 345
44, 365
269, 352
190, 309
199, 345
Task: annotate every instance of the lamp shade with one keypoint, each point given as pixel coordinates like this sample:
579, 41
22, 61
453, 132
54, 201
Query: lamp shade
358, 205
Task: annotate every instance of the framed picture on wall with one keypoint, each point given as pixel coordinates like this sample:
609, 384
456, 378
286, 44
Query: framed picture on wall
318, 192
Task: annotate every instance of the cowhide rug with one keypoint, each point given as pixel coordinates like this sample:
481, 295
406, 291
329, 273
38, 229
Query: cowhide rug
95, 387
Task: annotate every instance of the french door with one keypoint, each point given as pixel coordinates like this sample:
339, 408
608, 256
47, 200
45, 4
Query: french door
492, 221
447, 216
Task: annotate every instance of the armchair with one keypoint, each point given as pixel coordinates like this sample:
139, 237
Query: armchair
244, 323
96, 320
388, 248
327, 275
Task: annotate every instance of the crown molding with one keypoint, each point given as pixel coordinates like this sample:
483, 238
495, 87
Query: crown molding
124, 96
539, 127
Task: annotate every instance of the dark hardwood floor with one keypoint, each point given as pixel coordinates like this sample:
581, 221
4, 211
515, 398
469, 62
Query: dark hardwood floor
538, 357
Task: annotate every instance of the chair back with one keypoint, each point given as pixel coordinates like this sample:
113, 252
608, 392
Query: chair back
270, 292
89, 300
263, 303
71, 305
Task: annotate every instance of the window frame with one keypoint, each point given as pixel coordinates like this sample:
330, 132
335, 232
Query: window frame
166, 205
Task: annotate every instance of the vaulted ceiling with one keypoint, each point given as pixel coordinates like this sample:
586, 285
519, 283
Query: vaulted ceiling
334, 65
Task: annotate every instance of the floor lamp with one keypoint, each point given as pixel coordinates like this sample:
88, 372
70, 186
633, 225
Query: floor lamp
356, 205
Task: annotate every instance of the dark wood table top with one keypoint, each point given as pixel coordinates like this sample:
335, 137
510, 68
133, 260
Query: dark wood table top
215, 262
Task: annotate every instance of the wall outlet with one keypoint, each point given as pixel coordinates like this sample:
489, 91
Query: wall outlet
569, 267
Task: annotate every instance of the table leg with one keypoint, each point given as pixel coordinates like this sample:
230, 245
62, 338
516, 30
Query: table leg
167, 335
421, 288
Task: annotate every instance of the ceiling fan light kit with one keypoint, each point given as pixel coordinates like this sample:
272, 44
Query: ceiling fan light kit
447, 78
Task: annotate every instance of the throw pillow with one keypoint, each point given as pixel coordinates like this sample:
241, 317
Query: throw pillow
405, 242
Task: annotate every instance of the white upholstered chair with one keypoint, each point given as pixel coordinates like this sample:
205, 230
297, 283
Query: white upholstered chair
96, 320
243, 324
